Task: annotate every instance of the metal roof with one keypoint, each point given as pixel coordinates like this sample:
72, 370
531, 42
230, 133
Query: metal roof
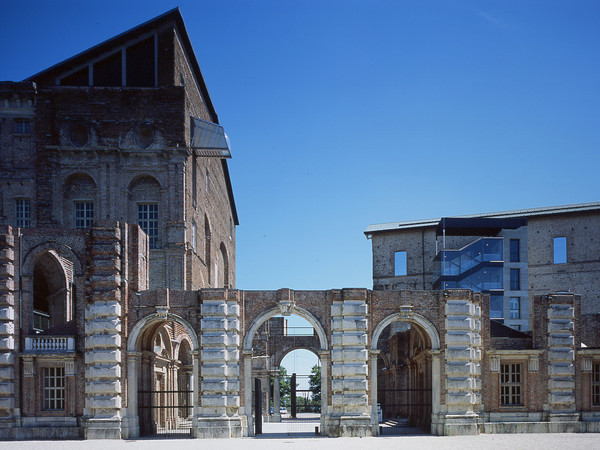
531, 212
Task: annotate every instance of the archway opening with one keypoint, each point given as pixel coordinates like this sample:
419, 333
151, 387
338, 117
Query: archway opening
285, 378
404, 379
51, 311
166, 381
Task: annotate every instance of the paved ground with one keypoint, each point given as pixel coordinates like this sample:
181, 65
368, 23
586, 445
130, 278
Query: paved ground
487, 441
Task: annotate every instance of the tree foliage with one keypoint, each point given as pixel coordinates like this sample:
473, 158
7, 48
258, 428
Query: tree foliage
314, 384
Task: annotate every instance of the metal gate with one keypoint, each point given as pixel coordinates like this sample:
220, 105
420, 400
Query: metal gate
404, 411
165, 413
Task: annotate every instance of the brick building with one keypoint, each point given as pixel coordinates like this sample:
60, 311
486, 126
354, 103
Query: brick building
510, 255
119, 315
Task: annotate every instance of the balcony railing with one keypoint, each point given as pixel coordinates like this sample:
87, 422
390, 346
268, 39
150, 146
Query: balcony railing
50, 344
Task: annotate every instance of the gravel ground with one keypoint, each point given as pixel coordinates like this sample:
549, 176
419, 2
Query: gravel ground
485, 441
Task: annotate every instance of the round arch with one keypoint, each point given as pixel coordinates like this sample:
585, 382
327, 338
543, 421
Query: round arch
294, 311
59, 251
131, 422
417, 319
434, 340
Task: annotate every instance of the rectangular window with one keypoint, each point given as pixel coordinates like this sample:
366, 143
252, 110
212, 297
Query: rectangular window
22, 126
515, 279
560, 250
515, 307
84, 214
400, 264
54, 388
148, 221
22, 213
514, 250
497, 308
510, 384
596, 384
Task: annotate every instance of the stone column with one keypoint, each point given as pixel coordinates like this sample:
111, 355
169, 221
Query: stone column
248, 392
103, 336
463, 363
276, 398
374, 354
436, 387
220, 387
351, 414
325, 406
7, 332
561, 363
131, 422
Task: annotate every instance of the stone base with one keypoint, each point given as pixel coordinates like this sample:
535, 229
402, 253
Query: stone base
461, 425
219, 427
102, 429
130, 427
347, 426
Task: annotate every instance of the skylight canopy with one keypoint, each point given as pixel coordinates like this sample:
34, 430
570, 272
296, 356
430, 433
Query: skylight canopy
209, 139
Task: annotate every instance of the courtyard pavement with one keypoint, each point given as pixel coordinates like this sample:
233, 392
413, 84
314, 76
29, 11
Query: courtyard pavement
270, 442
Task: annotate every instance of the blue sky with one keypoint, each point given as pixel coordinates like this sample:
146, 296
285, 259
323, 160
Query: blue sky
346, 113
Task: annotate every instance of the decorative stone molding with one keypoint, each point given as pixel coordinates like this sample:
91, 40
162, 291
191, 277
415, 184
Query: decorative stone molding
406, 312
28, 370
495, 364
69, 368
534, 363
287, 307
587, 365
7, 324
162, 312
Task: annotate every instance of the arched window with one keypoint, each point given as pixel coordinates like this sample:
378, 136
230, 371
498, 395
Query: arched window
225, 266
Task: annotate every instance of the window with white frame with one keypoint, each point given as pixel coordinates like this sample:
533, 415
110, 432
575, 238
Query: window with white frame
510, 384
148, 221
596, 384
84, 214
54, 388
22, 213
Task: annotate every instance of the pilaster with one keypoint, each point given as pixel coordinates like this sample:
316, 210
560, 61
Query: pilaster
103, 357
350, 411
220, 355
7, 329
463, 365
561, 358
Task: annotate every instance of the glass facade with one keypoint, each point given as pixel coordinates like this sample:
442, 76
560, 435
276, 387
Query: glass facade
477, 266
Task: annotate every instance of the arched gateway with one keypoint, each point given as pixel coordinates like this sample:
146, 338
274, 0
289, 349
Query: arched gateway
436, 333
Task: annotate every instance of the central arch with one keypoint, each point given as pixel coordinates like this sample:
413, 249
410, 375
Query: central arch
247, 346
148, 331
428, 330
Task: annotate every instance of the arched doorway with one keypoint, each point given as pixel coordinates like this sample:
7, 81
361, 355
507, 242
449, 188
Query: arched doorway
162, 364
262, 358
406, 369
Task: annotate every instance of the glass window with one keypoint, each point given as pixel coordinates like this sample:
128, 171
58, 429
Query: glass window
54, 388
22, 126
84, 214
514, 250
497, 307
510, 384
148, 221
399, 263
22, 213
515, 307
596, 384
515, 279
560, 250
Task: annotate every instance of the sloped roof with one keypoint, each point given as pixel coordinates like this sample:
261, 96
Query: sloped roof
530, 212
173, 15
